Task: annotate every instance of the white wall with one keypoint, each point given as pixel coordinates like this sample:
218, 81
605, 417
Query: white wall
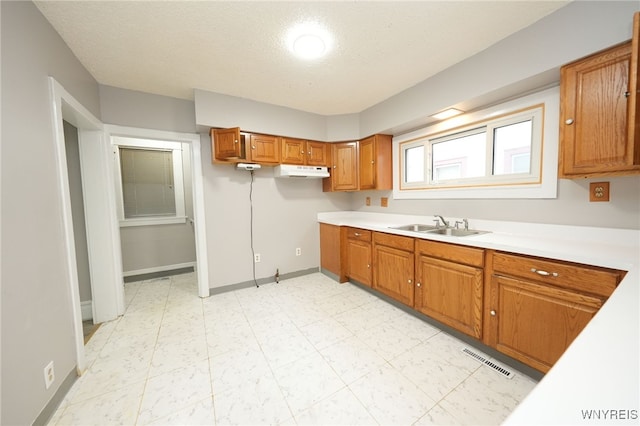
37, 319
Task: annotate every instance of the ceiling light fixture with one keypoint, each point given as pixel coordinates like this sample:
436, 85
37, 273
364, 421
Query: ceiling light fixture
447, 113
309, 41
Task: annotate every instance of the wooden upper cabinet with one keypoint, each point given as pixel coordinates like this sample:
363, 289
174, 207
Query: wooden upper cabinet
344, 170
599, 112
304, 152
227, 144
264, 149
317, 153
375, 163
293, 151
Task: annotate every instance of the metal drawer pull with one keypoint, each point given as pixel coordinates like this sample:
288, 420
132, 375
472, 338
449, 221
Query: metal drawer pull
493, 313
544, 273
356, 234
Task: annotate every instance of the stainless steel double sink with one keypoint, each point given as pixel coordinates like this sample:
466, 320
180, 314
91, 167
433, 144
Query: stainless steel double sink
432, 229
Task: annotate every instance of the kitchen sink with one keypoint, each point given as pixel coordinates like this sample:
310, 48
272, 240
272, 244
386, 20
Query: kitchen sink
416, 227
432, 229
455, 232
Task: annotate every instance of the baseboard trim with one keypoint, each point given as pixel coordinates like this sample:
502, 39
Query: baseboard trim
159, 269
261, 281
49, 410
86, 308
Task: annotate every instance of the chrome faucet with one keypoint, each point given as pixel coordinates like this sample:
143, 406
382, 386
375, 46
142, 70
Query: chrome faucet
464, 222
444, 222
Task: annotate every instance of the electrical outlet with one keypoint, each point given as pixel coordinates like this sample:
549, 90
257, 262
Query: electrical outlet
599, 191
257, 258
367, 201
298, 251
384, 201
49, 375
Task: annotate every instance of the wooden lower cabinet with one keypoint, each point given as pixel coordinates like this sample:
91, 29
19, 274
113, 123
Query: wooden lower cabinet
450, 284
393, 261
332, 250
536, 323
537, 307
359, 255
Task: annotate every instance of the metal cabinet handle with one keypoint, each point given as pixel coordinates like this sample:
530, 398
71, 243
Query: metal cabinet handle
568, 121
544, 273
368, 265
409, 281
493, 313
418, 284
357, 234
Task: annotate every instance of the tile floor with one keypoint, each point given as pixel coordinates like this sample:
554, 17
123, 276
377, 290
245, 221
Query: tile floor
305, 351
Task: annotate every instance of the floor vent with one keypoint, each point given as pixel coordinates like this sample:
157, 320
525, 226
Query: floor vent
483, 360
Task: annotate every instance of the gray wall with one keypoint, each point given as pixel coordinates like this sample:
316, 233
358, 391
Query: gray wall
37, 320
77, 210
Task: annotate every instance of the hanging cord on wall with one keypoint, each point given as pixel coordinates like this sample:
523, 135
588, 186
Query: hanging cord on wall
253, 253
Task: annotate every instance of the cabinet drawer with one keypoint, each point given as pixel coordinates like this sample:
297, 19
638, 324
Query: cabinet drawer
589, 279
402, 243
358, 234
452, 252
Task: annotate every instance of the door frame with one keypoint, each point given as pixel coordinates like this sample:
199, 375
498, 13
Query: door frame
103, 231
193, 139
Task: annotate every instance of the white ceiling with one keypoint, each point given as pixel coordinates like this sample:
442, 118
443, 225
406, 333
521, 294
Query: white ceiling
238, 48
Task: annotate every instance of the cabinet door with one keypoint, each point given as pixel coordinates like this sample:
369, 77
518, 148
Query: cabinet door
317, 153
227, 144
359, 255
594, 108
536, 323
344, 176
393, 273
331, 250
264, 149
375, 164
450, 293
293, 151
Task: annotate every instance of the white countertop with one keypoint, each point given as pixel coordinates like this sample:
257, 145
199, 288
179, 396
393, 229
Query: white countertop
601, 368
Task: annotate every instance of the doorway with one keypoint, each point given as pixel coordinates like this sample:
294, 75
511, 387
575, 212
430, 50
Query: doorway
103, 236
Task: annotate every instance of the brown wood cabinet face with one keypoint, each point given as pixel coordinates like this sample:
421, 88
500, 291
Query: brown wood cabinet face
534, 323
332, 249
264, 149
227, 144
317, 153
595, 108
393, 270
359, 269
375, 164
293, 151
450, 293
344, 176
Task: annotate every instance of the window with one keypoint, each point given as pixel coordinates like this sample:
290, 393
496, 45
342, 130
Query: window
150, 181
495, 153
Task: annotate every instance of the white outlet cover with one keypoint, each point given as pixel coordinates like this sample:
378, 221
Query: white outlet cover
49, 375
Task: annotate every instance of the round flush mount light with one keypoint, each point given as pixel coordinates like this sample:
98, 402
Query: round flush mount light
308, 41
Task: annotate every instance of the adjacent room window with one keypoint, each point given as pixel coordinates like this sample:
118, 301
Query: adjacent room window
150, 184
504, 150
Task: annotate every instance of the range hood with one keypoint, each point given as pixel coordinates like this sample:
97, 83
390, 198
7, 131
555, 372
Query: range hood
295, 171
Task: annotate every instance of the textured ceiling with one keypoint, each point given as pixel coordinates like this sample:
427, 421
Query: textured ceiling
238, 48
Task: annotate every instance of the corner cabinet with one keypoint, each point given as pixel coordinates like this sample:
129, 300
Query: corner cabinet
599, 112
393, 266
537, 307
360, 165
449, 285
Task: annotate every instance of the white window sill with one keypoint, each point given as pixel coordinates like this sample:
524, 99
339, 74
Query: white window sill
152, 221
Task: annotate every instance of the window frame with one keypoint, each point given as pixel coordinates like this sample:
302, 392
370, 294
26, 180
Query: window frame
541, 182
178, 179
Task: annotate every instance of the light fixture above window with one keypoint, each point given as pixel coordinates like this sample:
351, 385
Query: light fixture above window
309, 41
447, 113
